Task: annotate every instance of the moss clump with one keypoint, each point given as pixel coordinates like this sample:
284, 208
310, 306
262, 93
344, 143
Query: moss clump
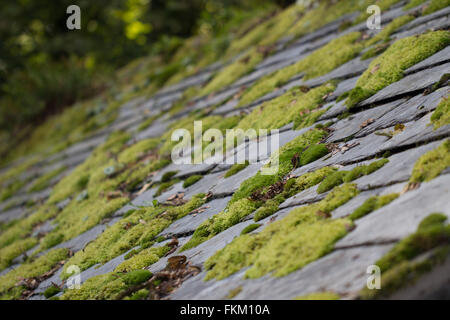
320, 62
107, 286
388, 67
15, 249
44, 181
142, 259
384, 34
236, 168
234, 71
140, 228
11, 189
313, 153
431, 164
30, 269
293, 105
287, 244
139, 295
435, 5
340, 177
146, 123
319, 296
441, 116
372, 204
51, 291
191, 180
401, 266
250, 228
165, 186
413, 3
233, 293
168, 176
269, 208
137, 150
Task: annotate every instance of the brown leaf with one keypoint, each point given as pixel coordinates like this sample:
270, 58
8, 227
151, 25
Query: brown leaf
366, 123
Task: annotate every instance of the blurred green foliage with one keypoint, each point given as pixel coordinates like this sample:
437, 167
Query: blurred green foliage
44, 66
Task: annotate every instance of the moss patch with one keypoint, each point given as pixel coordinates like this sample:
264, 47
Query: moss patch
320, 62
432, 163
388, 67
340, 177
250, 228
142, 259
30, 269
441, 116
140, 228
44, 181
191, 180
236, 168
400, 266
107, 286
294, 105
372, 204
287, 244
319, 296
384, 34
15, 249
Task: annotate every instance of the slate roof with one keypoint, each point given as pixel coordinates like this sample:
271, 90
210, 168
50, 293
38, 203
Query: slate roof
343, 270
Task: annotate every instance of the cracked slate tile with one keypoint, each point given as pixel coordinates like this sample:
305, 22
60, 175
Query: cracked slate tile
410, 110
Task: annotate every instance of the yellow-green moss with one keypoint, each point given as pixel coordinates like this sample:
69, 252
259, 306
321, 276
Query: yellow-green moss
29, 270
107, 286
287, 244
51, 291
435, 5
389, 66
372, 204
44, 181
441, 116
234, 71
191, 180
132, 153
15, 249
319, 296
384, 34
319, 62
139, 228
11, 189
236, 168
291, 106
233, 293
432, 163
340, 177
400, 266
413, 3
250, 228
142, 259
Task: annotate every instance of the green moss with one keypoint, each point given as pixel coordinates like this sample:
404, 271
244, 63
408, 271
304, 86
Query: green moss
372, 204
320, 62
11, 189
269, 208
233, 293
168, 175
236, 168
250, 228
413, 3
15, 249
441, 116
287, 244
44, 181
290, 106
384, 34
319, 296
313, 153
339, 177
389, 67
142, 259
29, 269
435, 5
165, 186
401, 266
107, 286
140, 228
146, 123
191, 180
431, 164
139, 295
51, 291
234, 71
137, 150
